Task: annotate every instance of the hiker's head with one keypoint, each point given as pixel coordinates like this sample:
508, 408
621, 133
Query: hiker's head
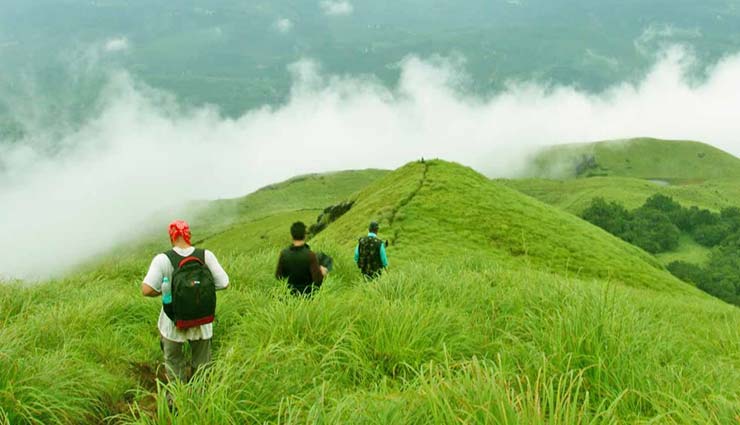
298, 231
374, 227
179, 232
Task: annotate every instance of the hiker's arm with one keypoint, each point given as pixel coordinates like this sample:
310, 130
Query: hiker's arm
316, 275
383, 255
220, 278
148, 291
279, 273
152, 284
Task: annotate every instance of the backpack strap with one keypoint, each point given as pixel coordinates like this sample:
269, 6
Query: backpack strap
174, 258
200, 254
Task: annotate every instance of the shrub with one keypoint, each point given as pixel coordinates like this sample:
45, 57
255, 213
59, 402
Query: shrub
656, 227
710, 235
653, 231
723, 280
610, 216
663, 203
688, 272
731, 218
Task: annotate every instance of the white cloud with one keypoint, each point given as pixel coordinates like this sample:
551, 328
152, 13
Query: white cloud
657, 37
610, 61
336, 7
283, 25
116, 44
142, 155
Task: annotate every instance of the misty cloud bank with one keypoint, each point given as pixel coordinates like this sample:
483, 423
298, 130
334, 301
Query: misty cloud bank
143, 155
283, 25
336, 7
116, 44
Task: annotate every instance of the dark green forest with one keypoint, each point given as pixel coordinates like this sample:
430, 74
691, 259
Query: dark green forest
657, 227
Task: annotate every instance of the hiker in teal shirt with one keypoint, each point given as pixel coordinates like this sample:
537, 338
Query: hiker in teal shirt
370, 254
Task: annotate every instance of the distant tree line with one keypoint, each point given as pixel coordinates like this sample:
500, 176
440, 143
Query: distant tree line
657, 227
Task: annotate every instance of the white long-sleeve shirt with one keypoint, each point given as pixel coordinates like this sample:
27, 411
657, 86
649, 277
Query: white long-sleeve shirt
160, 268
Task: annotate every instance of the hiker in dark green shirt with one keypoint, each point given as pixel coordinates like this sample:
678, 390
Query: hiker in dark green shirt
300, 265
370, 254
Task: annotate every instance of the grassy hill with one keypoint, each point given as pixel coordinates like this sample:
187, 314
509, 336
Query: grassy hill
575, 195
674, 162
451, 213
497, 309
629, 172
309, 192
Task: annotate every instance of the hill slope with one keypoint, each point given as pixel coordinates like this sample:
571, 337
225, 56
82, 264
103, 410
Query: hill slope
309, 192
450, 213
670, 161
576, 194
691, 173
464, 328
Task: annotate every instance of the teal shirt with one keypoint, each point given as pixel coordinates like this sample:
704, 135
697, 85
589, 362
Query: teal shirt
383, 256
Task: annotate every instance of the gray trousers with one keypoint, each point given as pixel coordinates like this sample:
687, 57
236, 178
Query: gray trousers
174, 358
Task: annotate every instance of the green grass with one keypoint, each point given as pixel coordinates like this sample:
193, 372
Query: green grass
446, 212
697, 175
261, 217
576, 195
688, 251
480, 344
259, 234
309, 192
671, 161
497, 309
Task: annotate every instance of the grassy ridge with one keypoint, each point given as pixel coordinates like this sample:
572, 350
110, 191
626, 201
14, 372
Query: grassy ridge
443, 211
575, 195
310, 192
481, 319
671, 161
693, 174
259, 234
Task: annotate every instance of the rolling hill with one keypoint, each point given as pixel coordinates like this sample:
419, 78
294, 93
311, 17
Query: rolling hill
497, 308
309, 192
666, 162
423, 204
574, 195
629, 172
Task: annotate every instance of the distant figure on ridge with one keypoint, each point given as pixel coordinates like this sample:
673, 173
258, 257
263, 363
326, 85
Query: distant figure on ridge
300, 265
370, 254
187, 278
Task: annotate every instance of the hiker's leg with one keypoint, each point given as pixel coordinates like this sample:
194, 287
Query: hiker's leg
174, 360
201, 350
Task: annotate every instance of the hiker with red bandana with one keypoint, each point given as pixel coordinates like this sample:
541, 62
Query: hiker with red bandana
188, 277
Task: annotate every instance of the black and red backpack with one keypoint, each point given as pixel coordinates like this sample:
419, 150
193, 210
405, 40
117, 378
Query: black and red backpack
193, 290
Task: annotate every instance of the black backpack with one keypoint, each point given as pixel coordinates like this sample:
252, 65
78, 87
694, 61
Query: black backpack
325, 260
369, 260
193, 290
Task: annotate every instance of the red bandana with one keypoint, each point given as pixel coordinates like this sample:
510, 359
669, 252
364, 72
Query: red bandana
180, 228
